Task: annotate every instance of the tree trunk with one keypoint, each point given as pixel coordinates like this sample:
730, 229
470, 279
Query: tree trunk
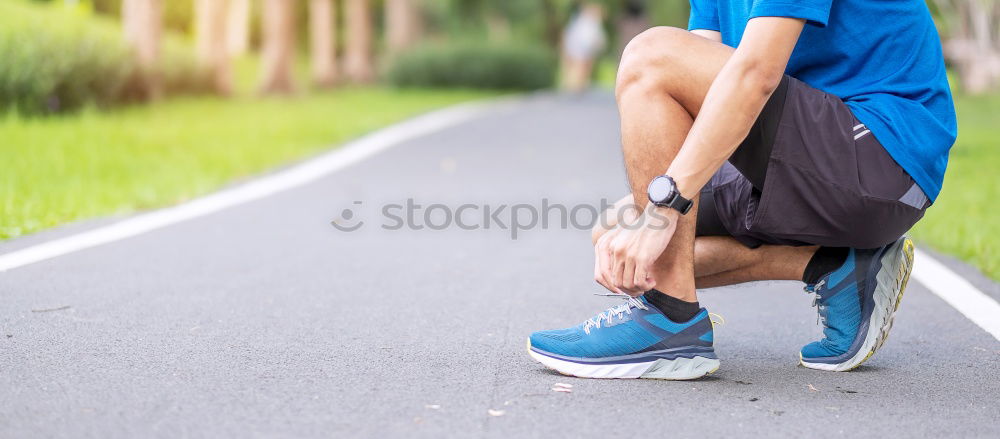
279, 46
210, 43
323, 35
552, 30
142, 23
983, 73
238, 27
358, 57
403, 24
972, 43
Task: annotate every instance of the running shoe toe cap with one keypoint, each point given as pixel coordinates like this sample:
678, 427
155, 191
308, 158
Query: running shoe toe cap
818, 349
554, 341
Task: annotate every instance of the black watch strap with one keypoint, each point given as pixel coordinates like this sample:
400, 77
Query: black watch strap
680, 204
663, 192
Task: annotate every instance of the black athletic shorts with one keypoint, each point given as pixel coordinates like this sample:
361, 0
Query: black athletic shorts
809, 173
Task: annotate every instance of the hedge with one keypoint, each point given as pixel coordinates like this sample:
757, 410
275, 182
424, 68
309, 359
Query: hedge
475, 65
55, 58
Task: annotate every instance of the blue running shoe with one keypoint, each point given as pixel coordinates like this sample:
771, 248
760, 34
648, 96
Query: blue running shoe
631, 340
857, 303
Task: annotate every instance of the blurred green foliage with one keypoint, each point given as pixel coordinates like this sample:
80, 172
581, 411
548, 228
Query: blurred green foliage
669, 12
536, 22
541, 21
178, 15
962, 221
527, 19
58, 58
475, 65
55, 61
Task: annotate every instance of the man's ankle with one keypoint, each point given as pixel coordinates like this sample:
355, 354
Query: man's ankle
675, 309
825, 260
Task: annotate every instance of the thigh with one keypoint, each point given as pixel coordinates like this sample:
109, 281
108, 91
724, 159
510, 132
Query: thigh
679, 62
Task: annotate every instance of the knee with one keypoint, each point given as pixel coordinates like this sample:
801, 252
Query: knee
649, 57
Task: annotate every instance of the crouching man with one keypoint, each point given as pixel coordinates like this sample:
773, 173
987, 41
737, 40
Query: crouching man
775, 140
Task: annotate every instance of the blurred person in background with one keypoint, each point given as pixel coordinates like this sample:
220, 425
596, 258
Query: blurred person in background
582, 41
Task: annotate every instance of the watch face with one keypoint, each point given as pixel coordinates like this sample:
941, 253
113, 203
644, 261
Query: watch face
661, 189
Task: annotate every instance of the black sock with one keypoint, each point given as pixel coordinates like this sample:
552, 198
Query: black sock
825, 260
675, 309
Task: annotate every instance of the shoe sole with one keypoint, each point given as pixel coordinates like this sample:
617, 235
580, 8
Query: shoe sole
662, 369
897, 263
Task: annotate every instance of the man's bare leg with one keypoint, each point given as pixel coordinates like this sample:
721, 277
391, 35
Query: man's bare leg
663, 78
721, 260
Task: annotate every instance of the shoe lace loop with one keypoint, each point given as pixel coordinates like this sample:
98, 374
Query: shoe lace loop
817, 300
615, 311
721, 320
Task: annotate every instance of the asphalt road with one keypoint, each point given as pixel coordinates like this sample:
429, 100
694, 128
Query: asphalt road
264, 320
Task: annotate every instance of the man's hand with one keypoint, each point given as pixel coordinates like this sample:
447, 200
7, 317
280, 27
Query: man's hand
626, 254
620, 215
623, 210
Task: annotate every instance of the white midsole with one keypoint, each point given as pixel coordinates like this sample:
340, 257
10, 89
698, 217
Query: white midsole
896, 265
676, 369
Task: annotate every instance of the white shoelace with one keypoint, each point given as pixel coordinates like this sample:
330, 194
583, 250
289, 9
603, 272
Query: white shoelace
820, 307
616, 311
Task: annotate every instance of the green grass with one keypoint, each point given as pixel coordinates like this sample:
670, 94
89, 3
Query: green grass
963, 221
61, 169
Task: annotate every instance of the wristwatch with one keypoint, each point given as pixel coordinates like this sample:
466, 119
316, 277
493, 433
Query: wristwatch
662, 191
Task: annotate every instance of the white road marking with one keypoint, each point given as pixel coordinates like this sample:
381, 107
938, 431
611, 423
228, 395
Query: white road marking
349, 154
946, 284
957, 292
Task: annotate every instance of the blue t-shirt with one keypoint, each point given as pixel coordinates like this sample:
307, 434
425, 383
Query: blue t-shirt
881, 57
